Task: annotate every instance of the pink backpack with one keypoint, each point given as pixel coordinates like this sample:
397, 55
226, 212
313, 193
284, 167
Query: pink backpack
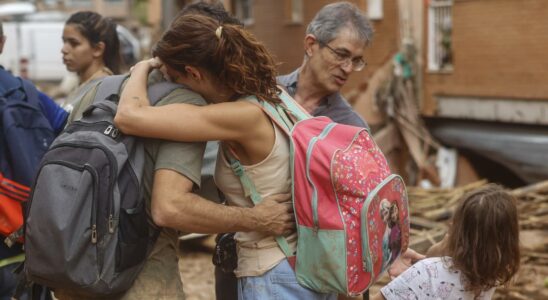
351, 212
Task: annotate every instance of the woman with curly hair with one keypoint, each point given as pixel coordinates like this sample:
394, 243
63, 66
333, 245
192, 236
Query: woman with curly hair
479, 253
224, 64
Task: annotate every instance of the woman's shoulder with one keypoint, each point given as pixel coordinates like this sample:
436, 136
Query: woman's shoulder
245, 105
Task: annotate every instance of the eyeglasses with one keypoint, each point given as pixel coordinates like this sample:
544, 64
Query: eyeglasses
346, 60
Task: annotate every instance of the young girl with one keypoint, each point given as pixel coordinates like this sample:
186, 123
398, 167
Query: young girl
224, 64
91, 49
480, 252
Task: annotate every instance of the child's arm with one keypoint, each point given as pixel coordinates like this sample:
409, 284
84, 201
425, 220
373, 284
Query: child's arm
377, 296
403, 262
439, 248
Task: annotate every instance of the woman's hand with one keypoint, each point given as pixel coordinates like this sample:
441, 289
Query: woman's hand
134, 96
147, 65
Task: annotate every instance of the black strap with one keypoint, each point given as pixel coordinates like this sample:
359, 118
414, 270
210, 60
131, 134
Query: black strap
113, 84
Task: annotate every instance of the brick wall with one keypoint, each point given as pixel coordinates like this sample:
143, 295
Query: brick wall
500, 50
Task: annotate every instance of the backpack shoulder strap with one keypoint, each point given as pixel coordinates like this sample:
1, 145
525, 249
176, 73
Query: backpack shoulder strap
284, 114
113, 85
31, 93
251, 191
108, 86
292, 106
8, 83
275, 112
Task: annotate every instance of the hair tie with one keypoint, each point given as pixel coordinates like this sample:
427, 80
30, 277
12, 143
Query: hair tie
218, 32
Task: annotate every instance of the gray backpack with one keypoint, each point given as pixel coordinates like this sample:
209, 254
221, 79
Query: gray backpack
87, 227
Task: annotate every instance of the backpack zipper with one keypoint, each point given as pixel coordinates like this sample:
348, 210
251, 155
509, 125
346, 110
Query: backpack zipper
108, 129
113, 163
95, 178
309, 150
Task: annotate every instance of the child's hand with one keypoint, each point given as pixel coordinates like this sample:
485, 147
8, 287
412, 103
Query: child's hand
403, 262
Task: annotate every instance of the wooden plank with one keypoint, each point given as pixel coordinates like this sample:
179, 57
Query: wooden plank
537, 187
388, 138
422, 243
427, 224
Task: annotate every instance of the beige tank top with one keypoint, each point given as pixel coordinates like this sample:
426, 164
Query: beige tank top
258, 252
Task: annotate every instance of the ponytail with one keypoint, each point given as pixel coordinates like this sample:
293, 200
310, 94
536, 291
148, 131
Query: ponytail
230, 54
248, 67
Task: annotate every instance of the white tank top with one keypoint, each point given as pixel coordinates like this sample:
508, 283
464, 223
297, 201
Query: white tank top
258, 252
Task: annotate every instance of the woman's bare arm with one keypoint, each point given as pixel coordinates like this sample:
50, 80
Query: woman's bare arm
233, 121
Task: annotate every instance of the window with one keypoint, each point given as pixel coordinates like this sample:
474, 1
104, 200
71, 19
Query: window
440, 46
374, 9
243, 10
79, 3
50, 3
294, 11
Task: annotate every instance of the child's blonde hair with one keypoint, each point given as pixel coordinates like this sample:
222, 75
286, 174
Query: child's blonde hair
483, 240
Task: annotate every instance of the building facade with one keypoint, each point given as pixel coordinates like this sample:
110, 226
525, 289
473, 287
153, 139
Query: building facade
484, 81
497, 58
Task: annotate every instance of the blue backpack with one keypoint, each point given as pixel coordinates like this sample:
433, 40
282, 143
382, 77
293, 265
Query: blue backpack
25, 135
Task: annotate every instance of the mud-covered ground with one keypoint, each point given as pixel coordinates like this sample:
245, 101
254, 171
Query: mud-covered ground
197, 273
197, 269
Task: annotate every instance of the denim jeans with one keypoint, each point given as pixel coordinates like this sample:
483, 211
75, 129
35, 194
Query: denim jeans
279, 283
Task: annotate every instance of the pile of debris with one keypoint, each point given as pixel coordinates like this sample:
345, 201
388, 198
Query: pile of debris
432, 208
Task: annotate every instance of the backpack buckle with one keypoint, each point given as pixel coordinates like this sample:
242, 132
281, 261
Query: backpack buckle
111, 131
108, 130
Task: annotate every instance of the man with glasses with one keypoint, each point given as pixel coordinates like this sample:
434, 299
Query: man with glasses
334, 45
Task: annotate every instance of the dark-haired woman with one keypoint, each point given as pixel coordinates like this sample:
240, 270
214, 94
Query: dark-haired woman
224, 64
91, 49
479, 253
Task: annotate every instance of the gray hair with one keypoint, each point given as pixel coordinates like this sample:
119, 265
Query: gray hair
333, 17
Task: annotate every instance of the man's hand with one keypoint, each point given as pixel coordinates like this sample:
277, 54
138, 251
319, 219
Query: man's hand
403, 262
274, 215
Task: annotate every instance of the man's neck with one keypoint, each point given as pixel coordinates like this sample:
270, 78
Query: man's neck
309, 94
